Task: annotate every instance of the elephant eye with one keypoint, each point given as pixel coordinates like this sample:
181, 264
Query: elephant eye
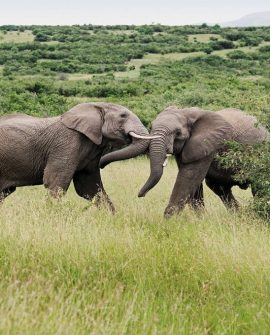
178, 132
123, 115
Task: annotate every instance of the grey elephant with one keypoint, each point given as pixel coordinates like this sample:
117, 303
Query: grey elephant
195, 136
56, 150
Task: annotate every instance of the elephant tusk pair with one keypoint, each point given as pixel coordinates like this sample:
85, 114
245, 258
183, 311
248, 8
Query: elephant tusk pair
143, 137
166, 160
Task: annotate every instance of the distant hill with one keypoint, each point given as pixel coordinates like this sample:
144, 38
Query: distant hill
255, 19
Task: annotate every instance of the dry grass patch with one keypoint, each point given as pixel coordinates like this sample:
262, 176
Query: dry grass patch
204, 38
16, 37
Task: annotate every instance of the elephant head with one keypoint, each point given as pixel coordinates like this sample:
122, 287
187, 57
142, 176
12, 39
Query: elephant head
99, 121
191, 134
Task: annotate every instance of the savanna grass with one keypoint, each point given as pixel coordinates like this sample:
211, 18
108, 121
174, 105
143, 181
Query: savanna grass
69, 268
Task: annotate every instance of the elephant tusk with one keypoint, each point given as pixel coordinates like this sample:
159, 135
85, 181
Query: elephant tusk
166, 160
143, 137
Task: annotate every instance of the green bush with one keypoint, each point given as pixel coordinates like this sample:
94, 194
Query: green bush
251, 163
238, 54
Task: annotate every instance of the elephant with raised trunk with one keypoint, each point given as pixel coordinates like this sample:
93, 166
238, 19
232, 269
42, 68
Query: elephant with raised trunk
56, 150
195, 136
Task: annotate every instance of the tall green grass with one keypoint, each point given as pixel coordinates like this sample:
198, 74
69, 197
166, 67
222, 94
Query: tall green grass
69, 268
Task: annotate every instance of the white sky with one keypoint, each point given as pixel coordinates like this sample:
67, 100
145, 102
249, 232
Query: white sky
178, 12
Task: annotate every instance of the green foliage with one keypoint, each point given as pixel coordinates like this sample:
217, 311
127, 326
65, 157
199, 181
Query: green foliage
251, 163
238, 54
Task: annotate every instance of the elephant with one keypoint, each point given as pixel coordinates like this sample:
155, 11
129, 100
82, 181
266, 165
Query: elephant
56, 150
194, 136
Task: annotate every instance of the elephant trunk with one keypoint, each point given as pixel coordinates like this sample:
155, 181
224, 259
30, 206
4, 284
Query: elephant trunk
157, 150
137, 147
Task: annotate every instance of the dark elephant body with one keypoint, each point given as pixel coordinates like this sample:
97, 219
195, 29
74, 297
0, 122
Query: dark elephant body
195, 136
53, 151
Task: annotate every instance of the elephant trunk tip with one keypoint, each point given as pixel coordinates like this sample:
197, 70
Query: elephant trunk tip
151, 182
142, 194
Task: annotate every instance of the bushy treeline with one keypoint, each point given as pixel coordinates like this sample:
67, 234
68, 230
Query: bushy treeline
102, 49
208, 81
96, 49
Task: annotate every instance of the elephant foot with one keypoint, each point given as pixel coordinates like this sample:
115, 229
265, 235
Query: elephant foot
102, 199
231, 203
232, 206
171, 210
57, 193
197, 205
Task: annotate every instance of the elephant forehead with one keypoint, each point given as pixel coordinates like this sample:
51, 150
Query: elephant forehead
169, 119
110, 107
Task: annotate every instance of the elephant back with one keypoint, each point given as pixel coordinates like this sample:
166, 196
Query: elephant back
246, 129
25, 123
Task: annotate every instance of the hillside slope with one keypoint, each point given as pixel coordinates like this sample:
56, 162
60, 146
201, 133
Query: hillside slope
254, 19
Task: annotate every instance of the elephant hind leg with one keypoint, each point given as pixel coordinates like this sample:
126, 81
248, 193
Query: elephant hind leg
224, 192
197, 201
6, 192
89, 185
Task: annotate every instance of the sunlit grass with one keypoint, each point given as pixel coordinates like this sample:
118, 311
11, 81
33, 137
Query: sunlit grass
16, 37
153, 59
204, 38
69, 268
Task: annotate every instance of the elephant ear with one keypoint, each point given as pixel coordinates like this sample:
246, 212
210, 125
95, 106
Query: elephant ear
208, 133
87, 119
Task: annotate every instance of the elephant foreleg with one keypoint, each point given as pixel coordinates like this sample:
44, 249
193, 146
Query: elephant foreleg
57, 178
188, 181
224, 192
89, 185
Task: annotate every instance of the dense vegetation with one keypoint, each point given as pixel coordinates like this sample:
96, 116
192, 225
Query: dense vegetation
83, 271
229, 67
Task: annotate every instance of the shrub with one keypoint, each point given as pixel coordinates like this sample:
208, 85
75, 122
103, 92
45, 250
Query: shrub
252, 163
238, 54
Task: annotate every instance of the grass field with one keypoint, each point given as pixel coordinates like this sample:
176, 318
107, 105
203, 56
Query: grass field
69, 268
204, 38
16, 37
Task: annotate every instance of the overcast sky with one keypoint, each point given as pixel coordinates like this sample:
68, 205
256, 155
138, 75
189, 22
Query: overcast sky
104, 12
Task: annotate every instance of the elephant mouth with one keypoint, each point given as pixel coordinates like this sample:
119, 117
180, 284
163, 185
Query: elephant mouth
120, 138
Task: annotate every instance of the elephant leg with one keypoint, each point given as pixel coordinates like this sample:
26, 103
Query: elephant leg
197, 201
255, 190
57, 179
189, 179
89, 185
224, 192
6, 192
